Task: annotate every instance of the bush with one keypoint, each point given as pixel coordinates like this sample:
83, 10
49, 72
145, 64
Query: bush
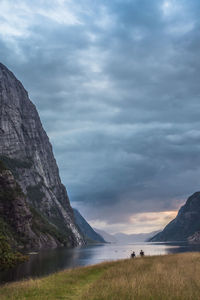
9, 258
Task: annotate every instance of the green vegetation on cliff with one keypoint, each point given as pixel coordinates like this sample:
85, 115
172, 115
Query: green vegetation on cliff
171, 277
9, 239
40, 224
8, 257
22, 226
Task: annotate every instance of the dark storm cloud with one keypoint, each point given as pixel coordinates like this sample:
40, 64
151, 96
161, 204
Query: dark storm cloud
117, 87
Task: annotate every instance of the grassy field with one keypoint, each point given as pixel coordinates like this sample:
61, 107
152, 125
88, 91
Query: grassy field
156, 278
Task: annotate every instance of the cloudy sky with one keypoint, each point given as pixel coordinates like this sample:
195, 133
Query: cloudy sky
117, 86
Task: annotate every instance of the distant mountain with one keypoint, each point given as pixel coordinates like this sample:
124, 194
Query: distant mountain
109, 238
134, 238
125, 238
87, 231
186, 225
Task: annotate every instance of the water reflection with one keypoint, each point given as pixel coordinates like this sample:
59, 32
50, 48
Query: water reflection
47, 262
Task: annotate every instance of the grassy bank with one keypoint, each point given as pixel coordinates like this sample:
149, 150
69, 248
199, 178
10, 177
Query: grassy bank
156, 278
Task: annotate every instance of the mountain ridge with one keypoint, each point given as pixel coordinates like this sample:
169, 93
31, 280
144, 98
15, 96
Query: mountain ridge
88, 232
26, 151
121, 237
185, 225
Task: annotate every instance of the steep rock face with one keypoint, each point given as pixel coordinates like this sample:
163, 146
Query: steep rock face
17, 223
26, 150
195, 238
88, 232
185, 224
13, 206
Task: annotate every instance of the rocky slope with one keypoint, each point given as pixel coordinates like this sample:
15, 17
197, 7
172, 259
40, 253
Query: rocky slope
14, 211
185, 225
25, 149
19, 224
195, 238
88, 232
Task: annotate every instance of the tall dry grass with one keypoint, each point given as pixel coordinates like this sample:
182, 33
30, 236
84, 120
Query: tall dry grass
168, 277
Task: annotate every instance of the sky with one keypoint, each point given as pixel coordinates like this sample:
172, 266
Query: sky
116, 84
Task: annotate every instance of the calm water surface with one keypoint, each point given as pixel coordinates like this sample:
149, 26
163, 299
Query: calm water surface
50, 261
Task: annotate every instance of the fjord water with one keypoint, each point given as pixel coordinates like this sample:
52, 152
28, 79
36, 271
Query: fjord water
50, 261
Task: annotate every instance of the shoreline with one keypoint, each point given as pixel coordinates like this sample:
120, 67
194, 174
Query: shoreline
150, 277
47, 262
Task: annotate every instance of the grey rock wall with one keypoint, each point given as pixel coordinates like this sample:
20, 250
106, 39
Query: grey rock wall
26, 150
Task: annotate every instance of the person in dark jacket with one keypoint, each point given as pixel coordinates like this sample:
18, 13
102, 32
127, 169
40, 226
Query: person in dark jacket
133, 254
141, 253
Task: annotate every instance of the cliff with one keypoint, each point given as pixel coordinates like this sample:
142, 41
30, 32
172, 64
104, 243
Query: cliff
26, 151
185, 225
88, 232
20, 224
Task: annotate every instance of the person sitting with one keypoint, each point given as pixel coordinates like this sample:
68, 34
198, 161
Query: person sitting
141, 253
133, 254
